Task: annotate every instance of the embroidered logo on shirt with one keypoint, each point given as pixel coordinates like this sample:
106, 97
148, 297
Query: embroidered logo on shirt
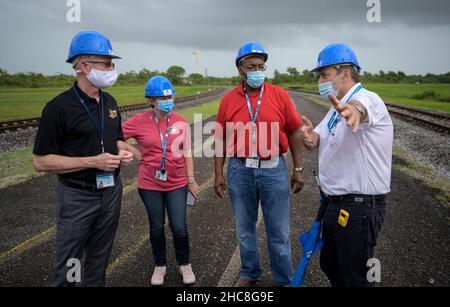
112, 113
173, 130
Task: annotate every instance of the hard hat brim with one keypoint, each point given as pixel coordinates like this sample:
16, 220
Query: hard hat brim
265, 56
317, 69
70, 60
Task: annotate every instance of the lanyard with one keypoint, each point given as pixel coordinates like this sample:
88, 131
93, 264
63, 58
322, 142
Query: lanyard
100, 130
254, 117
164, 140
335, 118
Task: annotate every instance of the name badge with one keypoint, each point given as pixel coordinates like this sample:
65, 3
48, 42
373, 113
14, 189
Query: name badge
104, 180
161, 175
252, 163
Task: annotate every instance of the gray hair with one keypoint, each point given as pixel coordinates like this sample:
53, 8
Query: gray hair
75, 62
353, 71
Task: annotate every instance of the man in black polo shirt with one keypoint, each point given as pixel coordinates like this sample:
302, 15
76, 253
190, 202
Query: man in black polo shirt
80, 139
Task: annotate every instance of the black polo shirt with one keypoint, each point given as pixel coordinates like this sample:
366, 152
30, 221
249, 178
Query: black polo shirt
66, 129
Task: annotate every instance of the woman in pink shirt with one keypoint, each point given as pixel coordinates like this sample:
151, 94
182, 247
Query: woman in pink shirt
166, 174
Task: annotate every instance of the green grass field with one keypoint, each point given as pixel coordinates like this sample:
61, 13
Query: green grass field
402, 93
17, 103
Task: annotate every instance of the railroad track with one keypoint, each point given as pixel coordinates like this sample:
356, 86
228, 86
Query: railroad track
21, 124
435, 120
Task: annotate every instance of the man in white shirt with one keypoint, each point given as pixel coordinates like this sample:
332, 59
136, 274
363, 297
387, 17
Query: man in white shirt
355, 155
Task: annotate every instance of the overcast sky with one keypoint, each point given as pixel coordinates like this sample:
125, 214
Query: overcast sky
413, 35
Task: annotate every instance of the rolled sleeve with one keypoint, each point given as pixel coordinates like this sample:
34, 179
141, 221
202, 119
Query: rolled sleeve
370, 107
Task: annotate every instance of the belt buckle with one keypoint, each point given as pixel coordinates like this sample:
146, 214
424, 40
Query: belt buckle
359, 199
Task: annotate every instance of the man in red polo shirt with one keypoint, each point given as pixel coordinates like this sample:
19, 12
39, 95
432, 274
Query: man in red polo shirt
256, 125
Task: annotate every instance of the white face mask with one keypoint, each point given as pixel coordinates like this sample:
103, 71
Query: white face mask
102, 79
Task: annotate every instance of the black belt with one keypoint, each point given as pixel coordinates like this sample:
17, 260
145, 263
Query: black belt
358, 198
81, 185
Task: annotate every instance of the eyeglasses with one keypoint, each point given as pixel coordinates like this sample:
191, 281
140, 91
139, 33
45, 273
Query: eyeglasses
254, 67
108, 64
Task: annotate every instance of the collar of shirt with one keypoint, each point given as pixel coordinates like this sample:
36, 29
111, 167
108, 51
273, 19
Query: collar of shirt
86, 98
350, 92
241, 92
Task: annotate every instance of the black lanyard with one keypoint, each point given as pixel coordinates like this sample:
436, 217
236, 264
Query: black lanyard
100, 130
164, 140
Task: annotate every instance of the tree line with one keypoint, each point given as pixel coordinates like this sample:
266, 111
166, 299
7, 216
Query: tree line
292, 75
177, 75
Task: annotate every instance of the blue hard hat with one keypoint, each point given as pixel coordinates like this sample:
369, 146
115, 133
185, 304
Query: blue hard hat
335, 54
251, 48
90, 43
159, 86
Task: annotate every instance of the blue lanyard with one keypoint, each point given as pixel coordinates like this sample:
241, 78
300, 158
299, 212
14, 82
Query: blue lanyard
164, 140
335, 118
254, 117
100, 130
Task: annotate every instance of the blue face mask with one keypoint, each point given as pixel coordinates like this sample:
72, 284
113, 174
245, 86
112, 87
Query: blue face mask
165, 106
255, 78
327, 87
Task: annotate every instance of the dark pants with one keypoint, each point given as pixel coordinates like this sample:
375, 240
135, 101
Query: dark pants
156, 203
86, 224
346, 250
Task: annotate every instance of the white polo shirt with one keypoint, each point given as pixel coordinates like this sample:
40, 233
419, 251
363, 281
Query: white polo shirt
357, 163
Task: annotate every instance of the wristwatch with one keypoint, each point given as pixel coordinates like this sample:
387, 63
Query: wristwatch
299, 169
360, 110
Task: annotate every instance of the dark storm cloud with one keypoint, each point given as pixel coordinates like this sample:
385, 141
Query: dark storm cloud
35, 35
217, 24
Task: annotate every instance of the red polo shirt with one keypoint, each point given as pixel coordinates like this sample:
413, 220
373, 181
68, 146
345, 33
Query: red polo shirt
277, 116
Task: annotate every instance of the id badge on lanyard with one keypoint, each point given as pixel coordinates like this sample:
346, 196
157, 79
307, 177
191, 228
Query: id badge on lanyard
253, 160
161, 174
102, 180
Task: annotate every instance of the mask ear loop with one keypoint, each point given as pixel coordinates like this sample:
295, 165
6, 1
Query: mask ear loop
340, 86
243, 73
79, 71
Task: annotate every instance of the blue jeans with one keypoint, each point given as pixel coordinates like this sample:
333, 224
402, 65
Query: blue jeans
247, 187
156, 203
